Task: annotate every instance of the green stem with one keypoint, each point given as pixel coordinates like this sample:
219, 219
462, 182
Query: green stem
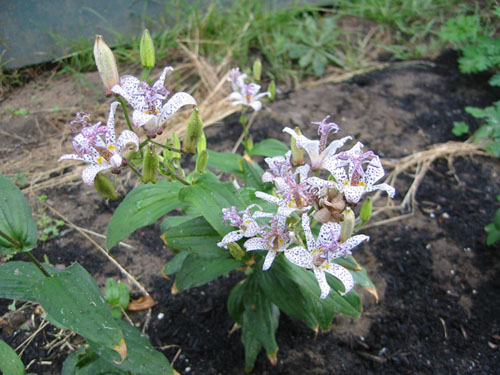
175, 176
16, 243
125, 112
164, 146
38, 264
134, 170
145, 74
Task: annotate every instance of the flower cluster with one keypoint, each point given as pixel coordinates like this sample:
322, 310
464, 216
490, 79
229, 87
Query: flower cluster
245, 94
298, 191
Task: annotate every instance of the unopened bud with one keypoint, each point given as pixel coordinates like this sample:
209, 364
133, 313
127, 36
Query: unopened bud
104, 187
147, 50
297, 152
202, 144
194, 132
272, 90
201, 161
150, 165
236, 251
347, 225
257, 70
366, 210
106, 64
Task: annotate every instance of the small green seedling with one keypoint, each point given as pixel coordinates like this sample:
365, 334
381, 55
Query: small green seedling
117, 296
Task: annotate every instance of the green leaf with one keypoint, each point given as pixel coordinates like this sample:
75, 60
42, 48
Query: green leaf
252, 175
142, 359
224, 161
196, 236
73, 299
10, 363
175, 263
197, 271
172, 221
18, 279
493, 234
17, 227
141, 207
85, 361
495, 80
269, 147
209, 196
460, 128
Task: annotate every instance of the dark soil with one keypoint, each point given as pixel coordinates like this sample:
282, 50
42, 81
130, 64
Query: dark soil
438, 282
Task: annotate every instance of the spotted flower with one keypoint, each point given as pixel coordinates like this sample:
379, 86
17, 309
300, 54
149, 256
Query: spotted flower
100, 153
275, 239
147, 102
352, 179
245, 94
320, 253
317, 150
244, 220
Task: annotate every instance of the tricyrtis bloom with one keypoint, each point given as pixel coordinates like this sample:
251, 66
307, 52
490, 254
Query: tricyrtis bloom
352, 179
320, 252
245, 94
147, 102
273, 237
244, 220
100, 153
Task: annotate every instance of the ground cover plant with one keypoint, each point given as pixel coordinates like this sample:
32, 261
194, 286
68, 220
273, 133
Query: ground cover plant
448, 242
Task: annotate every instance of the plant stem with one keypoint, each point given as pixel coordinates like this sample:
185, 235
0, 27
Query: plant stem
166, 147
125, 112
38, 264
134, 170
16, 243
145, 74
179, 178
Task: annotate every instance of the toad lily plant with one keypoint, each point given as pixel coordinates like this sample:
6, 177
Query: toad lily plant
286, 231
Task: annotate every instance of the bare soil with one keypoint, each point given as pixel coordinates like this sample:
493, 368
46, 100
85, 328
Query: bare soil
438, 283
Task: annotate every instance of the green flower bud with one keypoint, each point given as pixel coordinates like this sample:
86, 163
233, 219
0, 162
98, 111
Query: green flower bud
201, 161
106, 65
147, 50
105, 187
272, 90
257, 69
297, 152
366, 210
150, 165
194, 132
347, 225
236, 251
202, 144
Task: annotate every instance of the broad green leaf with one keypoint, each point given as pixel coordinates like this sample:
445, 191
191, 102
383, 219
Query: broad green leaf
173, 221
269, 147
235, 301
73, 299
18, 279
175, 263
10, 363
252, 175
197, 271
142, 359
209, 196
17, 227
85, 361
142, 206
224, 161
196, 236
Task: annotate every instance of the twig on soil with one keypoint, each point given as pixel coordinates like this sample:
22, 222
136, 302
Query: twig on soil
371, 357
128, 246
26, 342
131, 278
444, 328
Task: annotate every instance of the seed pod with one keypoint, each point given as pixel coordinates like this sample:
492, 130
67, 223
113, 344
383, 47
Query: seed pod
201, 161
147, 50
150, 165
202, 144
297, 152
105, 187
236, 251
347, 225
106, 65
194, 132
366, 210
272, 90
257, 70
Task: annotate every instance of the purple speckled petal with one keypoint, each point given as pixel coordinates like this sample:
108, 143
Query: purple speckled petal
355, 241
323, 284
89, 173
233, 236
177, 101
271, 255
352, 193
127, 138
110, 126
342, 274
71, 157
299, 256
256, 243
142, 119
306, 225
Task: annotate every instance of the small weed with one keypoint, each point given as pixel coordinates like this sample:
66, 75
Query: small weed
19, 180
47, 226
117, 296
493, 229
16, 111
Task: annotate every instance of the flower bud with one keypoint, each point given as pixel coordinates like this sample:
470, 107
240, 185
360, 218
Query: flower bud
272, 90
297, 153
150, 165
347, 225
257, 70
236, 251
202, 144
104, 187
147, 50
366, 210
194, 132
106, 65
201, 161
